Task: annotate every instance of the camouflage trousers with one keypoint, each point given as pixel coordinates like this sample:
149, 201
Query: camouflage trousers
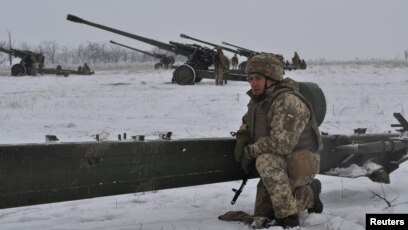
219, 72
276, 196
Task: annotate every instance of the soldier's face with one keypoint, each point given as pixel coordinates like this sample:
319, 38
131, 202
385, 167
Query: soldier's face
257, 82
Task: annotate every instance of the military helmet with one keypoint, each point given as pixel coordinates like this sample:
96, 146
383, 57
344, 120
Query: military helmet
267, 65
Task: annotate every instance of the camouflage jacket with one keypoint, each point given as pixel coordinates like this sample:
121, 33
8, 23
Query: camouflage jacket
220, 60
234, 60
276, 122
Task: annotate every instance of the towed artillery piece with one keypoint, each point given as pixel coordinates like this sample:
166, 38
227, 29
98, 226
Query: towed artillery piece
32, 63
196, 68
56, 171
165, 61
300, 64
242, 52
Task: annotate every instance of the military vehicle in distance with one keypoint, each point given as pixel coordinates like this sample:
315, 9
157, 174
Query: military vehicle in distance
165, 61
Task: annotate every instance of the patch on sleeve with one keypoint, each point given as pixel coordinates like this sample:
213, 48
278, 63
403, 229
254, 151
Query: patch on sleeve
289, 123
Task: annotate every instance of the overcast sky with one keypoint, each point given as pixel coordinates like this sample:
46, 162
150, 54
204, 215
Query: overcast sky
338, 29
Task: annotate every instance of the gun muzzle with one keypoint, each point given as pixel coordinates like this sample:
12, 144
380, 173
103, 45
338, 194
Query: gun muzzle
74, 18
185, 36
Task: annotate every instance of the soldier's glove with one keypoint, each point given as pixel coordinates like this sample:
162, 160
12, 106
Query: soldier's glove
242, 141
247, 162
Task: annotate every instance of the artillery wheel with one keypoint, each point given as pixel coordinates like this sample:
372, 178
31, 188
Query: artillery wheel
184, 75
158, 66
18, 70
242, 66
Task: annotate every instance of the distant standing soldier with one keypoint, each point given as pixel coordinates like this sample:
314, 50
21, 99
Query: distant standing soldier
303, 64
31, 63
296, 61
167, 61
40, 59
221, 64
86, 70
234, 62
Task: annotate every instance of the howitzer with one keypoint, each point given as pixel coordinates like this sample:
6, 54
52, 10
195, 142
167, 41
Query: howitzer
31, 63
43, 173
210, 44
165, 61
196, 68
245, 52
198, 57
249, 53
240, 51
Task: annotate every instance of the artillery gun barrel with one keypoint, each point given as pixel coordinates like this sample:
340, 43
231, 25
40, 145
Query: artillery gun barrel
141, 51
161, 45
372, 147
209, 43
22, 53
187, 47
7, 51
16, 53
238, 47
243, 51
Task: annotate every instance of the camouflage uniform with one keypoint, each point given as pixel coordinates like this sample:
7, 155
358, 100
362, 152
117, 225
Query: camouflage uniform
41, 59
167, 61
234, 62
85, 69
31, 63
278, 123
296, 61
221, 64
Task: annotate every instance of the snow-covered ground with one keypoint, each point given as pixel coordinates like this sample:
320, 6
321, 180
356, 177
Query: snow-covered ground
142, 101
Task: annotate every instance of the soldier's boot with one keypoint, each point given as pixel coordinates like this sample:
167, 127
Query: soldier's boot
318, 204
289, 221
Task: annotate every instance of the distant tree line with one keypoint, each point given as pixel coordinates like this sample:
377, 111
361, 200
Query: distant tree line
90, 52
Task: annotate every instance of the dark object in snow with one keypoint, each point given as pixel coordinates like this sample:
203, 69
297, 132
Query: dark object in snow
50, 138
